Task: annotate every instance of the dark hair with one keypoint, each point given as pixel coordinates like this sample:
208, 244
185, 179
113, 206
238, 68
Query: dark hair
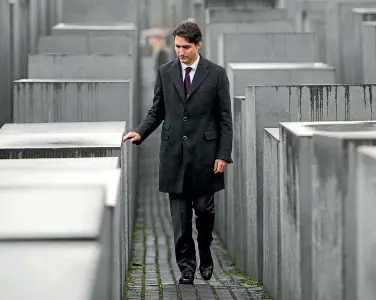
189, 30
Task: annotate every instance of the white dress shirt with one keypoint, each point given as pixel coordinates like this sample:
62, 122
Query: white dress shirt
193, 71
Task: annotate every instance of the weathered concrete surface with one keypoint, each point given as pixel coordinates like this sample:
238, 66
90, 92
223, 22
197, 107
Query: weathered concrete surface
85, 45
5, 64
244, 74
266, 107
365, 233
334, 219
271, 215
91, 30
267, 48
81, 196
355, 53
300, 244
64, 127
369, 51
97, 11
232, 20
76, 66
38, 101
310, 17
339, 36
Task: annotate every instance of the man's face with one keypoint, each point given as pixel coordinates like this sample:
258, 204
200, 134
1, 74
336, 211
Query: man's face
187, 52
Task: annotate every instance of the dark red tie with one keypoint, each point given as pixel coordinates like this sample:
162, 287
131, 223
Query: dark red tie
187, 80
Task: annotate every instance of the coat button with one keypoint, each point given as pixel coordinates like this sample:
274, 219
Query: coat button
185, 138
185, 119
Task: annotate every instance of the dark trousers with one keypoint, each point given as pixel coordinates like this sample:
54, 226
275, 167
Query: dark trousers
181, 214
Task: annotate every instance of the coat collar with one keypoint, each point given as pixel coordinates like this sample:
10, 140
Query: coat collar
175, 73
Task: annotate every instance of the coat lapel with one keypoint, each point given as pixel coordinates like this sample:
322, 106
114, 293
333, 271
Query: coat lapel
176, 78
200, 75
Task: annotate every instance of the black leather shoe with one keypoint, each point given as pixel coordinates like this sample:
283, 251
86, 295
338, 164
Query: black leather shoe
206, 272
187, 278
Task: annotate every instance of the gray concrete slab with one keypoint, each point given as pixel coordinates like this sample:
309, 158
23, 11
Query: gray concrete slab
369, 51
266, 107
267, 48
64, 127
339, 37
5, 64
355, 53
219, 21
85, 45
301, 263
241, 75
94, 30
365, 236
81, 196
271, 215
334, 219
38, 101
97, 11
310, 17
81, 66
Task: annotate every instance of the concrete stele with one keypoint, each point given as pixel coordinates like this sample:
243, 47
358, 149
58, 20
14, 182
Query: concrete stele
365, 238
38, 101
288, 47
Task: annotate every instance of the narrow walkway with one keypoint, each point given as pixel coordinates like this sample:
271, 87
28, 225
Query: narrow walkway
154, 273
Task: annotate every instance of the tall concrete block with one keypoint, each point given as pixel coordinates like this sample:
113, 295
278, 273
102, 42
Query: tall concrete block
271, 215
365, 234
340, 36
85, 45
97, 11
266, 107
334, 206
38, 101
198, 14
301, 274
33, 254
267, 48
20, 34
355, 54
369, 51
310, 17
81, 29
235, 20
76, 66
5, 63
244, 74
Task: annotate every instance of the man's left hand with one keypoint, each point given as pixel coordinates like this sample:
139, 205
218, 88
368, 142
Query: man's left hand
220, 166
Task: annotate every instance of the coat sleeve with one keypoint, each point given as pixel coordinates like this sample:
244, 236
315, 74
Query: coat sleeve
224, 118
156, 113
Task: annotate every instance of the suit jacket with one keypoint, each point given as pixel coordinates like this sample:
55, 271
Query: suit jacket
197, 128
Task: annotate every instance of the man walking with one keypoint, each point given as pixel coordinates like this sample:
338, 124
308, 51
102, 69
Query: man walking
192, 99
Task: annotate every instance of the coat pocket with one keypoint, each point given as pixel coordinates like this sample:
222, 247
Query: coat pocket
211, 135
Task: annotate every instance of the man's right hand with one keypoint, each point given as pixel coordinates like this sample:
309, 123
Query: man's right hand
132, 136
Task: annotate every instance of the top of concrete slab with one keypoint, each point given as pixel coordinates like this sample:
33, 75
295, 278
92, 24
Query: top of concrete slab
63, 127
309, 128
61, 140
364, 11
106, 179
352, 133
91, 163
243, 15
368, 151
279, 66
369, 23
274, 132
71, 81
102, 27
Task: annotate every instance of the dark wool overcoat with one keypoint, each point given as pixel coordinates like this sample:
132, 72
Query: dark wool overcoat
196, 130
